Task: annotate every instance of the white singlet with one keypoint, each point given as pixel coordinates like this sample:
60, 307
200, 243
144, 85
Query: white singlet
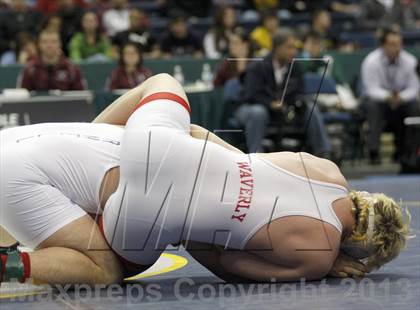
175, 187
50, 175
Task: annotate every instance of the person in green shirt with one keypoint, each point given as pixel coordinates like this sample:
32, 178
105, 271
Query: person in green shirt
90, 44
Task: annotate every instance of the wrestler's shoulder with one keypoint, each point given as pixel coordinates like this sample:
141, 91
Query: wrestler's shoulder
327, 170
305, 164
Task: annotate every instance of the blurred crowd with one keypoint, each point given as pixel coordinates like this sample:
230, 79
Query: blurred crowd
95, 30
50, 37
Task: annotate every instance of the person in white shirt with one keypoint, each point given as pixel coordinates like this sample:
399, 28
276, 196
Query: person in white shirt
116, 19
391, 87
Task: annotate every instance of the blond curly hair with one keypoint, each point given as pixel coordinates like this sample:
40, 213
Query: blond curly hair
391, 230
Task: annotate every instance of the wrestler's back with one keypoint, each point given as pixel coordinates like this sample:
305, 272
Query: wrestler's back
233, 198
70, 156
291, 237
307, 166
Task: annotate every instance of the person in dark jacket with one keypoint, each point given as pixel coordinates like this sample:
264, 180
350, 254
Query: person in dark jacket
268, 85
179, 40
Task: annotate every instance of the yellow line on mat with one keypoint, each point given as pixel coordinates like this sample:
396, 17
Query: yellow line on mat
177, 263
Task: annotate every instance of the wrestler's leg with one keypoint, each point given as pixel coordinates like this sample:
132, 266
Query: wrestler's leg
137, 221
77, 253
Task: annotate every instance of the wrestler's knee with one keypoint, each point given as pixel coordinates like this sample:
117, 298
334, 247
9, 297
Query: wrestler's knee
84, 236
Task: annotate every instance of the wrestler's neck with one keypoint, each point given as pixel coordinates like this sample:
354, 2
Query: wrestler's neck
343, 210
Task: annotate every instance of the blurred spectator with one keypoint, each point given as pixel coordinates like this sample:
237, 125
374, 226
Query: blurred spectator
391, 87
321, 25
130, 71
3, 4
304, 6
19, 18
179, 40
71, 15
410, 14
240, 52
139, 34
263, 5
264, 88
351, 7
90, 44
230, 73
313, 52
380, 13
51, 70
48, 7
26, 49
195, 8
52, 23
262, 35
116, 19
216, 40
390, 13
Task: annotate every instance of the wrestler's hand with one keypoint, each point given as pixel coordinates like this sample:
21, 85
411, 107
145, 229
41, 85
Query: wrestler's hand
346, 266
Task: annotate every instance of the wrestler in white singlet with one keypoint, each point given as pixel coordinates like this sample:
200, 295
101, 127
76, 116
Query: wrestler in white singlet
50, 175
174, 187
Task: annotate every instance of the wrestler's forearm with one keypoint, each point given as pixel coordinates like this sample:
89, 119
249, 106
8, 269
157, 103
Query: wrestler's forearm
118, 112
249, 266
210, 259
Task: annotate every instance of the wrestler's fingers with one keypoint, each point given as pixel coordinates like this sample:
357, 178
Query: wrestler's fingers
337, 274
358, 265
355, 263
353, 271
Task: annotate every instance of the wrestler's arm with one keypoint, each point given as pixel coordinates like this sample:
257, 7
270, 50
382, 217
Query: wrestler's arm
199, 132
203, 134
243, 266
210, 259
118, 112
253, 267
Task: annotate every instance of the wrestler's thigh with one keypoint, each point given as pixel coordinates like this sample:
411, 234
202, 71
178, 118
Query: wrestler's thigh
83, 235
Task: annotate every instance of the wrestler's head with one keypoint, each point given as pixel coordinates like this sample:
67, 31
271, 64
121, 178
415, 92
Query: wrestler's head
381, 230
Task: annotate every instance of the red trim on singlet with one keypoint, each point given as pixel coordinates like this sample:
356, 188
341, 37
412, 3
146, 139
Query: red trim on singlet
164, 95
3, 258
132, 264
26, 265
